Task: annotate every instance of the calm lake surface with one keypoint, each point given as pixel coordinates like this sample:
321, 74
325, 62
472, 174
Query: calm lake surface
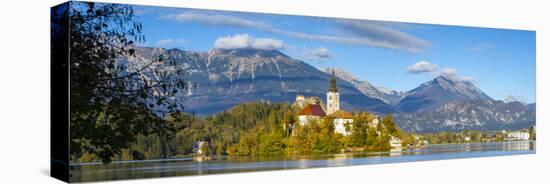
183, 167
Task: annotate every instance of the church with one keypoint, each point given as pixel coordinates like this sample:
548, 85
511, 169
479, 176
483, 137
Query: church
315, 112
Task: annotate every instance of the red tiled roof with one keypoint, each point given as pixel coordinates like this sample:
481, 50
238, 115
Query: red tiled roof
341, 114
313, 110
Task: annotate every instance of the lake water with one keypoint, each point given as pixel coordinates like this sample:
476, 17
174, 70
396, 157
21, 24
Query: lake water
185, 167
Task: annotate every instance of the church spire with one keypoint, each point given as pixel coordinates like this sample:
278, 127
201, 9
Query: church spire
332, 87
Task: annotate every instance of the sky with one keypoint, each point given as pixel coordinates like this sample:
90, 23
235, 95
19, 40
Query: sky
395, 55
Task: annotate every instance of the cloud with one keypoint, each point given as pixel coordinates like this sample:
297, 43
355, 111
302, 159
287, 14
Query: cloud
243, 41
452, 73
383, 34
422, 67
448, 72
321, 53
360, 33
216, 19
425, 67
266, 43
170, 42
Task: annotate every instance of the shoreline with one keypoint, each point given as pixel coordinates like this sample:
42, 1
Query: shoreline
291, 157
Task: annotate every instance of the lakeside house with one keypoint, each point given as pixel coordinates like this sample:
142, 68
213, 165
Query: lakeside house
395, 142
517, 136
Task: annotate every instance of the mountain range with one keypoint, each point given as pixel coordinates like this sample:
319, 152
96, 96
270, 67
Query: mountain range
439, 91
225, 78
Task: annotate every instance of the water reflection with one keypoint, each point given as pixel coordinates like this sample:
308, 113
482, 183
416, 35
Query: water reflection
339, 160
396, 152
182, 167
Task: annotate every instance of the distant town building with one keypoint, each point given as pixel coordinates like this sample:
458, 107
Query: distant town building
518, 136
423, 142
395, 142
199, 147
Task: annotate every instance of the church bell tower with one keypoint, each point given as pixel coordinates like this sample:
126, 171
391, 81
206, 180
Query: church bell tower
333, 97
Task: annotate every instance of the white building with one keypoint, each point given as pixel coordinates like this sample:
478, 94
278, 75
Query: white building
341, 119
395, 142
518, 136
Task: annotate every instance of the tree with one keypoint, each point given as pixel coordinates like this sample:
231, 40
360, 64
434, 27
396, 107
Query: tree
112, 101
359, 131
390, 126
328, 138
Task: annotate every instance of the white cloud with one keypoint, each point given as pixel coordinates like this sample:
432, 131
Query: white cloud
321, 53
170, 42
422, 67
425, 67
243, 41
232, 42
452, 73
266, 44
362, 33
448, 72
216, 19
383, 34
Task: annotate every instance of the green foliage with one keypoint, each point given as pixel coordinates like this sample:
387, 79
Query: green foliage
408, 139
112, 104
360, 131
390, 126
261, 128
